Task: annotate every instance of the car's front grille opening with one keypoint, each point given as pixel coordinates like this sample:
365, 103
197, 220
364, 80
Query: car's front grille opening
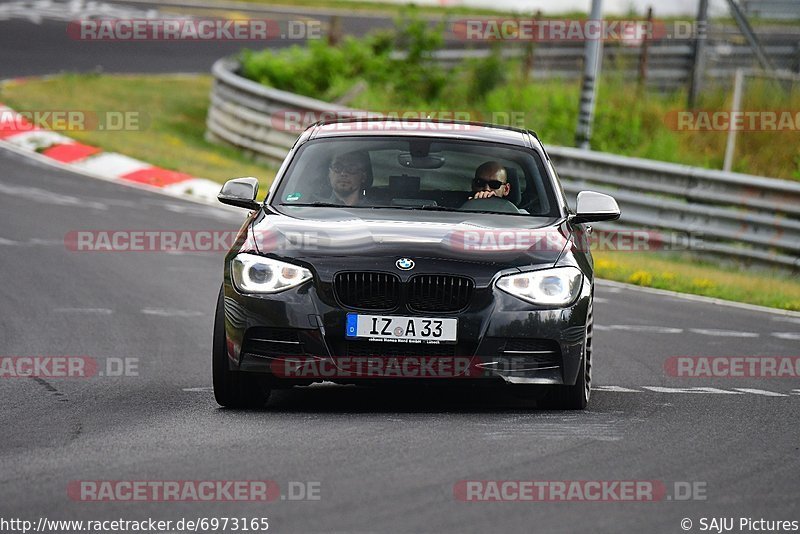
272, 342
425, 293
367, 290
389, 349
439, 293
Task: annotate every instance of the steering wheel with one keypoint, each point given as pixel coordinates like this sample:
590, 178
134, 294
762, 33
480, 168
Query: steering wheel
492, 203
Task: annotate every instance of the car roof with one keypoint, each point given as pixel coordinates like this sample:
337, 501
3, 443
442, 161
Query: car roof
421, 127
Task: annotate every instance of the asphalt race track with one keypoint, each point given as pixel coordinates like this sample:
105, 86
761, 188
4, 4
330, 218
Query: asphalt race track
42, 46
382, 460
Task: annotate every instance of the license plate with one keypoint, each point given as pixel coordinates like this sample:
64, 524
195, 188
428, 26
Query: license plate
404, 329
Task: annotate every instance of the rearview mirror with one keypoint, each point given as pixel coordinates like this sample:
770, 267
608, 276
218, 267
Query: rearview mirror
240, 192
595, 207
414, 161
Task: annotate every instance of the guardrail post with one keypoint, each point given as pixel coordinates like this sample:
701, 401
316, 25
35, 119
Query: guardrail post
730, 146
334, 30
797, 58
591, 73
529, 51
699, 59
642, 79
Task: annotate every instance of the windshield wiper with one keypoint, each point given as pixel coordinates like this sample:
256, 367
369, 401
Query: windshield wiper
363, 206
428, 207
431, 207
315, 204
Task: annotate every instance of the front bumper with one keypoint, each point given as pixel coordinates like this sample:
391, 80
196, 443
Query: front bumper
298, 337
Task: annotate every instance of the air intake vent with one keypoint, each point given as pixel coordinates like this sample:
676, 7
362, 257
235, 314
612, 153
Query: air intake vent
271, 342
540, 352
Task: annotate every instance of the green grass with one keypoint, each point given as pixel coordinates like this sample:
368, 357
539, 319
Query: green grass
642, 126
687, 275
173, 109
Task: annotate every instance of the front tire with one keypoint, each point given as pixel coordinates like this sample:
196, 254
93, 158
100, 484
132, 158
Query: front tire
576, 397
232, 389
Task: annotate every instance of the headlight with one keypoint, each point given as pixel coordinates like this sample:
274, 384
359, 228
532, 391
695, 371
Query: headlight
256, 274
548, 287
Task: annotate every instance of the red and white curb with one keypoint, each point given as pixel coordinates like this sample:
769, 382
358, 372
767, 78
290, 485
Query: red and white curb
17, 133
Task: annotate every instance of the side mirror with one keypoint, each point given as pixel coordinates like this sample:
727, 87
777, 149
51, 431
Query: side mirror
595, 207
240, 192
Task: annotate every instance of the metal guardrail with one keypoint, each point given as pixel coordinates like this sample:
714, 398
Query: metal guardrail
737, 215
668, 67
772, 9
749, 218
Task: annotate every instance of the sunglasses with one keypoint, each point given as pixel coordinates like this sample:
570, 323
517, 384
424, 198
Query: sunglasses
493, 184
341, 169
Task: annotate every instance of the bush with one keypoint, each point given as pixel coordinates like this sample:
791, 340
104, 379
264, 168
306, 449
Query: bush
625, 123
323, 71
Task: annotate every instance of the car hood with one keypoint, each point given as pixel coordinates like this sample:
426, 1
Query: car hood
375, 239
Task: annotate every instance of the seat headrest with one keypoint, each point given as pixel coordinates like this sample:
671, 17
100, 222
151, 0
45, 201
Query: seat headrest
515, 195
369, 179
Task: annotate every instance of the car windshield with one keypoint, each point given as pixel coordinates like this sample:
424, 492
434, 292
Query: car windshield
416, 173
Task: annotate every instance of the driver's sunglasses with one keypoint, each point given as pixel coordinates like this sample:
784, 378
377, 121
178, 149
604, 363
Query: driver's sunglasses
341, 169
494, 184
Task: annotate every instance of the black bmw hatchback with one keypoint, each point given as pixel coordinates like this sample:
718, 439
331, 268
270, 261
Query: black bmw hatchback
409, 252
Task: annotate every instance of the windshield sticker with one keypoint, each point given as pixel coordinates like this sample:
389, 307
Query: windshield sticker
291, 197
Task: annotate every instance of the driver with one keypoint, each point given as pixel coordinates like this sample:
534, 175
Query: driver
490, 181
347, 175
